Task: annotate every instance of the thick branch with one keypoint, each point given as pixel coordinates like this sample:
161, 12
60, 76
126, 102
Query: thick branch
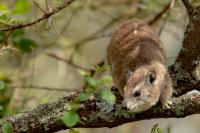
186, 68
45, 16
45, 118
188, 5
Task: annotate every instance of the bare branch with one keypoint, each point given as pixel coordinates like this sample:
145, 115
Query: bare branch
38, 6
45, 16
161, 13
66, 61
43, 88
5, 23
5, 40
166, 18
93, 35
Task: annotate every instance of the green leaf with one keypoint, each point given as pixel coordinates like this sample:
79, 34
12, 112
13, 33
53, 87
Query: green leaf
73, 131
91, 81
97, 68
1, 108
159, 130
2, 85
7, 128
21, 6
90, 90
82, 72
83, 97
107, 95
3, 76
3, 7
25, 45
106, 79
70, 118
72, 106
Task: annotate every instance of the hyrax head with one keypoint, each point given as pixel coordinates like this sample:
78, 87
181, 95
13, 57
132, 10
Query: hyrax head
143, 87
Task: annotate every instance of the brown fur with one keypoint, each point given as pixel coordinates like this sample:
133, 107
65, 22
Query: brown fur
134, 50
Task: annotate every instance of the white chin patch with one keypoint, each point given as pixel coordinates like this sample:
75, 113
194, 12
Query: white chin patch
131, 106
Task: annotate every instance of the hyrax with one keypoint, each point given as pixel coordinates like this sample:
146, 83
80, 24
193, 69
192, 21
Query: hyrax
137, 61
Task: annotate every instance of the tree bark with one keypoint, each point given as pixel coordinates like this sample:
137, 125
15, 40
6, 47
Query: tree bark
94, 113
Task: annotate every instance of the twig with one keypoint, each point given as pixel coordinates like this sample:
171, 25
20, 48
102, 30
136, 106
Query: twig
38, 6
163, 11
45, 16
50, 20
92, 73
64, 29
66, 61
5, 23
5, 40
93, 35
43, 88
166, 18
48, 6
100, 64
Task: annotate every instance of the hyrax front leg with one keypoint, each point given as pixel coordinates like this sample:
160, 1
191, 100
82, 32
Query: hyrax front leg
166, 92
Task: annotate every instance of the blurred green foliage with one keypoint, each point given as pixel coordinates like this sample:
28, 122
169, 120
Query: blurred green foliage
4, 95
70, 118
95, 85
7, 128
21, 6
18, 37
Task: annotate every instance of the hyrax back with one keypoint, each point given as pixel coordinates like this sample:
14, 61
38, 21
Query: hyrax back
136, 57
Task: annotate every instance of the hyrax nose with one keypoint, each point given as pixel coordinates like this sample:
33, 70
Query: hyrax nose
124, 106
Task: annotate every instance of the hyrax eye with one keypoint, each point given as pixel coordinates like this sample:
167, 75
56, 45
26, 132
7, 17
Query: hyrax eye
137, 93
151, 77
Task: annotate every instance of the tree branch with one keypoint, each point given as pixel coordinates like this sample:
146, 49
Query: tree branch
188, 6
93, 114
44, 88
66, 61
45, 16
187, 64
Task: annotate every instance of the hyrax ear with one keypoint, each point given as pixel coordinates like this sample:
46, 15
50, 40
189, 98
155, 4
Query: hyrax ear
128, 73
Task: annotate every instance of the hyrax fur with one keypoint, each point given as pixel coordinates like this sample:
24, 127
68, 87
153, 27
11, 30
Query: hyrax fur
137, 61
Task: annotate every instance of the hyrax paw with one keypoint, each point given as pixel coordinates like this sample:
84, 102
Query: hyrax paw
167, 105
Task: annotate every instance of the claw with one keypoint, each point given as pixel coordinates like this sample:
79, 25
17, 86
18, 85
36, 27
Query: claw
167, 105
